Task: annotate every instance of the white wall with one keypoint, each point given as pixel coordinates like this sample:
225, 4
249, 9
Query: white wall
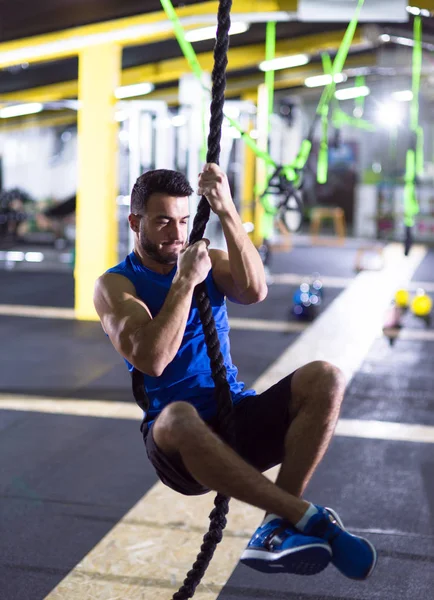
31, 161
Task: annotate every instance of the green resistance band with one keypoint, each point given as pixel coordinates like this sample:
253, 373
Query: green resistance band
323, 152
290, 171
414, 159
191, 57
327, 96
341, 118
266, 224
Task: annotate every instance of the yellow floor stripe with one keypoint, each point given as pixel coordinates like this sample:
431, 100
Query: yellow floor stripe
293, 279
48, 312
422, 335
380, 430
266, 325
40, 312
71, 406
147, 554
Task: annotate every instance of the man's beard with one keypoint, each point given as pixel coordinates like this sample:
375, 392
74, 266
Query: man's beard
151, 250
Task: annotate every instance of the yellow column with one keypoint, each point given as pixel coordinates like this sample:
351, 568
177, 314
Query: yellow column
262, 117
96, 228
248, 193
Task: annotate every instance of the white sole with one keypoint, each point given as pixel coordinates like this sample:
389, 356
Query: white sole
274, 556
374, 552
305, 560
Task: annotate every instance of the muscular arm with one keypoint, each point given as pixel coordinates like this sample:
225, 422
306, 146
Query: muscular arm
148, 344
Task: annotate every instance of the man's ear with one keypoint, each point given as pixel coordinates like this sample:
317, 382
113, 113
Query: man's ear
134, 221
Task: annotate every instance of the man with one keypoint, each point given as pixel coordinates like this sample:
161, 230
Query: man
147, 309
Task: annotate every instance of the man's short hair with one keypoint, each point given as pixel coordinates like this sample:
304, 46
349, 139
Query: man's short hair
159, 181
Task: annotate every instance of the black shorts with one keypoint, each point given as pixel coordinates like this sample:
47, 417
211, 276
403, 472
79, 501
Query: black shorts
261, 423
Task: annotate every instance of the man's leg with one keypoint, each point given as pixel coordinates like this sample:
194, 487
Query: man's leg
317, 391
179, 429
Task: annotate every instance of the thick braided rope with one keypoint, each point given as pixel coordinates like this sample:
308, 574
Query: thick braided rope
218, 369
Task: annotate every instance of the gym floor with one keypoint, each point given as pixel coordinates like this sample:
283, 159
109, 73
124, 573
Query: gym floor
83, 516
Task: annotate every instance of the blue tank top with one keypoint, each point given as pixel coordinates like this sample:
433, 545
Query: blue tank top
188, 376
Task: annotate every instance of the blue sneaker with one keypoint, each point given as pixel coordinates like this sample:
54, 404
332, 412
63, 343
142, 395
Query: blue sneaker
355, 557
278, 547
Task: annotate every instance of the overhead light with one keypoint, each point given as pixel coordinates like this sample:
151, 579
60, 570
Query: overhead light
209, 33
403, 96
385, 37
389, 114
416, 11
284, 62
138, 89
353, 92
19, 110
232, 111
322, 80
34, 257
178, 120
402, 41
15, 256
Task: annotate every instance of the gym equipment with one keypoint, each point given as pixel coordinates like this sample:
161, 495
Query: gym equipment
421, 305
308, 298
402, 298
289, 209
393, 322
14, 205
290, 189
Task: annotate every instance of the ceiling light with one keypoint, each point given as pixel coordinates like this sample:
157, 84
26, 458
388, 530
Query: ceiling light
389, 114
209, 33
322, 80
178, 120
34, 257
403, 96
15, 256
403, 41
416, 11
138, 89
284, 62
351, 93
18, 110
385, 37
413, 10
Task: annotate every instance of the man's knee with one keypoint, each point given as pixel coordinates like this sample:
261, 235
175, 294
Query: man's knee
320, 381
173, 424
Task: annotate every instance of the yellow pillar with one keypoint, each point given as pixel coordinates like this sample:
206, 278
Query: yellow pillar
248, 193
262, 117
96, 215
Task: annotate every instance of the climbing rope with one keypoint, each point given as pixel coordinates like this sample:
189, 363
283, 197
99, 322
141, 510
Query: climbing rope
218, 369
